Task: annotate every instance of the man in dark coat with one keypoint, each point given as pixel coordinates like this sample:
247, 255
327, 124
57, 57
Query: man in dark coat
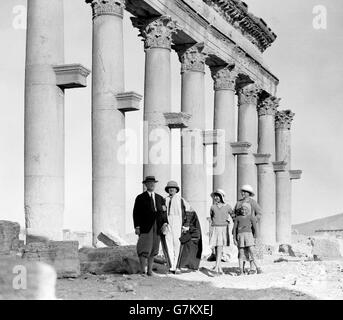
149, 215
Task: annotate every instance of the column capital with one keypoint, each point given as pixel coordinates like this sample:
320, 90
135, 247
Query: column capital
193, 58
249, 94
157, 33
268, 106
107, 7
224, 77
283, 119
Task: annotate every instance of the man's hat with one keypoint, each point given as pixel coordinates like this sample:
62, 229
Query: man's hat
150, 179
172, 184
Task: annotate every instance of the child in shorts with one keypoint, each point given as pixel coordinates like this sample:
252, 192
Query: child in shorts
244, 235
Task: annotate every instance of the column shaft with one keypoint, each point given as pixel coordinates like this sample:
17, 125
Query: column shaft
266, 175
107, 81
247, 131
225, 119
283, 183
44, 122
157, 101
193, 173
283, 216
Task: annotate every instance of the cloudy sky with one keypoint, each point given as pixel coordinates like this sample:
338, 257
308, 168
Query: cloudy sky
307, 61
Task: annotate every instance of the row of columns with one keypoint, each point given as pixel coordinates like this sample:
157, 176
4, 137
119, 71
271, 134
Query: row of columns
44, 112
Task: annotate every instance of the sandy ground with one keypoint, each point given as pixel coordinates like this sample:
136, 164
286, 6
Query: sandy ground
291, 280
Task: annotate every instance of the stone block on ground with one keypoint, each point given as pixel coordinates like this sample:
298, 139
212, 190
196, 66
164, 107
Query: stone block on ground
62, 255
303, 248
111, 240
22, 280
326, 249
9, 236
120, 259
286, 249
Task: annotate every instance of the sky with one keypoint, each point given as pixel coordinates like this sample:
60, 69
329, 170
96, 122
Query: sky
307, 61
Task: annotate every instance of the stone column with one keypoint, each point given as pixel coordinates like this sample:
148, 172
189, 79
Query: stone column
247, 131
283, 122
107, 120
193, 168
44, 121
266, 176
225, 119
157, 99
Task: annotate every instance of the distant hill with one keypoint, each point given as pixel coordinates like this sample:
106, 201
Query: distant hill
328, 223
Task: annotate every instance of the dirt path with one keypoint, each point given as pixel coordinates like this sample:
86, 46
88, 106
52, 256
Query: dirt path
162, 288
291, 280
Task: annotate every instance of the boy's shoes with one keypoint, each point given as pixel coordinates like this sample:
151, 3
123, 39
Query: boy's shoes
259, 270
239, 273
251, 272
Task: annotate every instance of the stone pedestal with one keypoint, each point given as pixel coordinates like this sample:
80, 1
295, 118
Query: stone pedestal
247, 131
44, 121
283, 122
225, 119
107, 120
63, 256
193, 168
157, 100
266, 175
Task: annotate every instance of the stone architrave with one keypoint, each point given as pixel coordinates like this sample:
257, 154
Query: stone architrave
193, 168
247, 131
266, 176
158, 37
108, 182
225, 119
283, 121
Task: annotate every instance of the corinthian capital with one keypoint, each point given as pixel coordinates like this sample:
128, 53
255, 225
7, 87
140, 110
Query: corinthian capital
283, 119
193, 58
107, 7
157, 33
249, 94
268, 106
224, 78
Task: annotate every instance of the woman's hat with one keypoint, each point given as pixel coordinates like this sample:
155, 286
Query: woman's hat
172, 184
220, 193
149, 179
249, 189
